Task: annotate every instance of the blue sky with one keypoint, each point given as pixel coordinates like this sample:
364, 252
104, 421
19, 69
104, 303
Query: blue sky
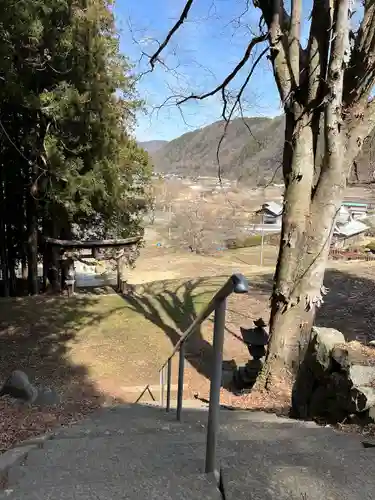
201, 54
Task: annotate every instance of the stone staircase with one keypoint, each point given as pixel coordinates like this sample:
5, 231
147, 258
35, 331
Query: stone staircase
140, 452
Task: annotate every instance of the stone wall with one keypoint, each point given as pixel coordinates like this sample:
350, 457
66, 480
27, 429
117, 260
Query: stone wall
334, 381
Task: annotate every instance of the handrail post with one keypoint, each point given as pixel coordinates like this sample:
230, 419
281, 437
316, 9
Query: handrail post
161, 387
169, 377
180, 390
216, 379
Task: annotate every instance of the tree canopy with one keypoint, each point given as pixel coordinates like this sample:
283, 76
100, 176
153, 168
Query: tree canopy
69, 164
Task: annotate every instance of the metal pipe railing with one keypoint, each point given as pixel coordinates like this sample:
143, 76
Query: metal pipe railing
180, 388
237, 283
169, 378
216, 378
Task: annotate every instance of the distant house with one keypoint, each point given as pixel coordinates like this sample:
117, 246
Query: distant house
348, 232
356, 210
271, 213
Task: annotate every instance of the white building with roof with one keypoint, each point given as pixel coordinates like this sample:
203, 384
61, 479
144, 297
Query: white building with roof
347, 230
271, 213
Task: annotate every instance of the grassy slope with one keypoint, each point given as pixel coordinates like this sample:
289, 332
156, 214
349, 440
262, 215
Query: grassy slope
92, 346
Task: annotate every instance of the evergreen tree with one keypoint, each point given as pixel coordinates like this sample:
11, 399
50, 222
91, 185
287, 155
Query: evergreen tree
69, 166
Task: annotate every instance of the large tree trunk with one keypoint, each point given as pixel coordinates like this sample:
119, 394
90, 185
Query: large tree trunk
24, 266
32, 241
304, 247
51, 255
3, 236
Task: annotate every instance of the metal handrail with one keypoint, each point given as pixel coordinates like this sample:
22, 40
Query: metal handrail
238, 284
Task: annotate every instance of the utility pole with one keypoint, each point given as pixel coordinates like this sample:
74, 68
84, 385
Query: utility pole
169, 221
262, 241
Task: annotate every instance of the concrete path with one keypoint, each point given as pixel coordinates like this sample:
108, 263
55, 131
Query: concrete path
140, 452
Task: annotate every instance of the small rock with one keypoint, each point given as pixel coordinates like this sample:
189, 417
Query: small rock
18, 386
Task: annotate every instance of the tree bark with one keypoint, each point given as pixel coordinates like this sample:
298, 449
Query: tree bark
303, 252
32, 241
12, 277
51, 261
3, 241
24, 266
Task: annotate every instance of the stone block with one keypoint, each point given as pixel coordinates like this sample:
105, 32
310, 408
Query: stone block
318, 355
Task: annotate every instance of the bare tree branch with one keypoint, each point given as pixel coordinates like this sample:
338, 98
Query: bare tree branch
360, 75
173, 30
232, 74
294, 39
278, 23
235, 105
332, 175
317, 51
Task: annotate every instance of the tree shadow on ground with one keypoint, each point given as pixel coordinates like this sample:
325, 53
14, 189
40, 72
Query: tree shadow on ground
173, 307
349, 305
35, 334
295, 464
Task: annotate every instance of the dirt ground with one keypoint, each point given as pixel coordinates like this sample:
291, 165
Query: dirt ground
98, 348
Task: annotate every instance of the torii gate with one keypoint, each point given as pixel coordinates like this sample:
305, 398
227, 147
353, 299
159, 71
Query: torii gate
67, 256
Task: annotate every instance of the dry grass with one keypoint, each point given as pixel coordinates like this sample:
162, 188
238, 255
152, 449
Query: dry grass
87, 347
158, 264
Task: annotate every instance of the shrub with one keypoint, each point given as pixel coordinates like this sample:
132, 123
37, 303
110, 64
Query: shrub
371, 246
249, 241
254, 240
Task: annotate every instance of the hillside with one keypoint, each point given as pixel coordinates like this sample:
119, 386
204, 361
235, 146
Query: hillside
152, 146
250, 151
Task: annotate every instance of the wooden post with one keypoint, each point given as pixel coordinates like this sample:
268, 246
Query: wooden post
262, 241
119, 283
68, 266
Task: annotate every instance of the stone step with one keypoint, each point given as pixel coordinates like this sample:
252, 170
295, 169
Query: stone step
192, 411
270, 478
175, 432
77, 459
254, 426
139, 417
140, 486
99, 460
305, 438
250, 471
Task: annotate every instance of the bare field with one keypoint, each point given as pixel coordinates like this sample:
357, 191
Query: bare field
158, 263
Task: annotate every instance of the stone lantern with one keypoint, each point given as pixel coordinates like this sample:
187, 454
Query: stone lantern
256, 340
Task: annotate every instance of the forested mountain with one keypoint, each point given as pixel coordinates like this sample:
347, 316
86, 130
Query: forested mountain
251, 151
